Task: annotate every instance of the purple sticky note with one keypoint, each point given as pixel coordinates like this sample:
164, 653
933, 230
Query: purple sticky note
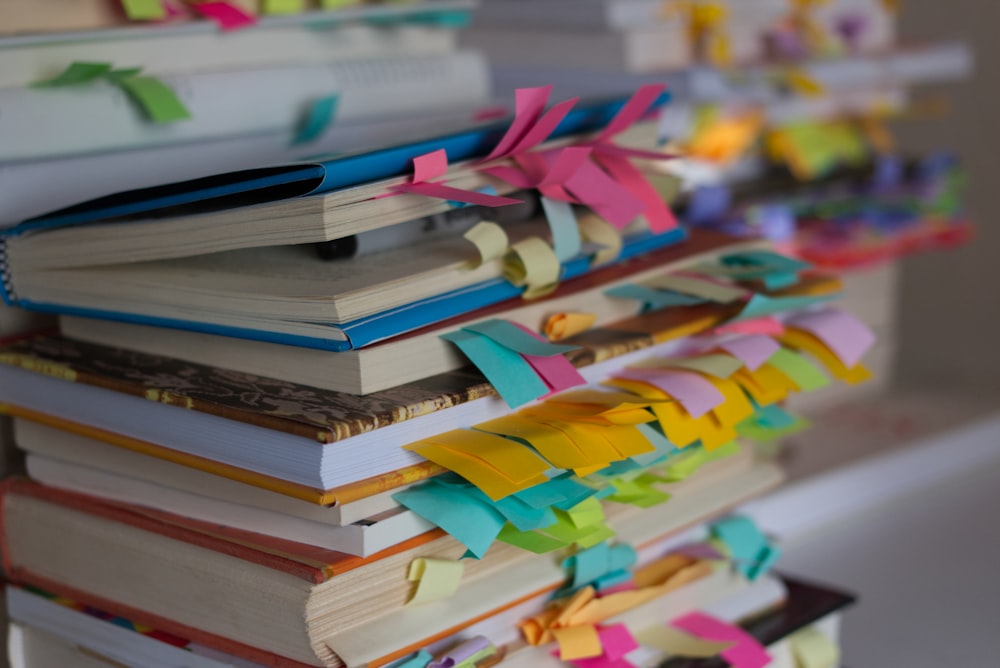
844, 334
696, 394
753, 350
460, 653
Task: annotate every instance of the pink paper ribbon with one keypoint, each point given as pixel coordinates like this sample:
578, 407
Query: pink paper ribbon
745, 652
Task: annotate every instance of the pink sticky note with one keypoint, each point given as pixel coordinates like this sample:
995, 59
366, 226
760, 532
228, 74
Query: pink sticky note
745, 653
544, 127
753, 349
632, 111
490, 113
528, 108
227, 15
844, 334
617, 641
430, 166
441, 191
608, 198
766, 325
555, 370
657, 213
696, 394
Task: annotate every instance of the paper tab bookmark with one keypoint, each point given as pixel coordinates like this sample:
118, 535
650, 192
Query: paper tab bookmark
144, 10
436, 579
745, 652
225, 14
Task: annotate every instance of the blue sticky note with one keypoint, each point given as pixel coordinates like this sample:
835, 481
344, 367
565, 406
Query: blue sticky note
566, 242
509, 335
774, 417
748, 547
588, 565
472, 523
317, 119
708, 204
612, 579
562, 492
523, 516
654, 434
512, 377
759, 263
761, 305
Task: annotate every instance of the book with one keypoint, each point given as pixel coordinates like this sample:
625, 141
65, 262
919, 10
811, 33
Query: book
657, 47
290, 295
419, 354
100, 117
310, 437
107, 551
167, 51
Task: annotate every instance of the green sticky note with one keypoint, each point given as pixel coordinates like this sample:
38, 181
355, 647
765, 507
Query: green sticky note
144, 10
584, 514
155, 98
761, 305
532, 541
76, 75
801, 371
284, 6
338, 4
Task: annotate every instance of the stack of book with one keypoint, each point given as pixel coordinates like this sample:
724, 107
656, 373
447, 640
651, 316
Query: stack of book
499, 420
99, 96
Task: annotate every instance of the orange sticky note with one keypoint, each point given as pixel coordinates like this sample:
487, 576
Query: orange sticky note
578, 642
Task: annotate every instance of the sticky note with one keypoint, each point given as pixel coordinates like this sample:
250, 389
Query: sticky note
529, 104
564, 325
843, 333
532, 264
745, 651
762, 305
477, 646
768, 325
76, 74
752, 552
512, 377
677, 643
155, 98
688, 461
699, 287
517, 339
496, 465
144, 10
604, 235
475, 525
489, 239
720, 366
551, 443
317, 119
753, 350
284, 6
659, 217
441, 191
799, 370
650, 298
800, 81
585, 513
225, 14
588, 565
800, 340
585, 536
609, 199
419, 660
561, 490
617, 641
578, 642
565, 232
814, 649
533, 541
696, 394
436, 579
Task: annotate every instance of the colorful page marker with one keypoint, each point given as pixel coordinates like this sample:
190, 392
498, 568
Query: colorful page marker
699, 287
762, 305
76, 74
650, 298
604, 235
753, 350
799, 370
562, 224
717, 365
697, 395
533, 265
475, 525
436, 579
578, 642
814, 649
420, 660
284, 6
144, 10
512, 377
225, 14
489, 239
565, 325
317, 120
677, 643
516, 338
745, 652
463, 653
155, 98
752, 552
844, 334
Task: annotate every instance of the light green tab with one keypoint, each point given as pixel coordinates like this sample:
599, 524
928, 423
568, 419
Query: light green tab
155, 98
717, 365
284, 6
801, 371
75, 75
144, 10
532, 541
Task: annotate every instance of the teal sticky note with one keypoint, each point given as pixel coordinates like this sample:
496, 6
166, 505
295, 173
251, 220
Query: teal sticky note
612, 579
566, 240
523, 516
510, 336
775, 417
318, 118
758, 264
749, 548
652, 299
420, 660
761, 305
472, 523
654, 434
512, 377
155, 98
76, 74
588, 565
803, 373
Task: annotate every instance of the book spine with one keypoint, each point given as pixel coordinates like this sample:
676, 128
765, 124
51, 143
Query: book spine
100, 117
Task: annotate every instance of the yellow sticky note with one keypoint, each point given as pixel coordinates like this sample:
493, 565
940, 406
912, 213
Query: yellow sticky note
628, 440
813, 649
712, 433
801, 340
284, 6
718, 365
489, 239
677, 643
598, 231
532, 264
564, 325
587, 439
736, 407
677, 425
578, 642
803, 83
551, 443
436, 579
608, 400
